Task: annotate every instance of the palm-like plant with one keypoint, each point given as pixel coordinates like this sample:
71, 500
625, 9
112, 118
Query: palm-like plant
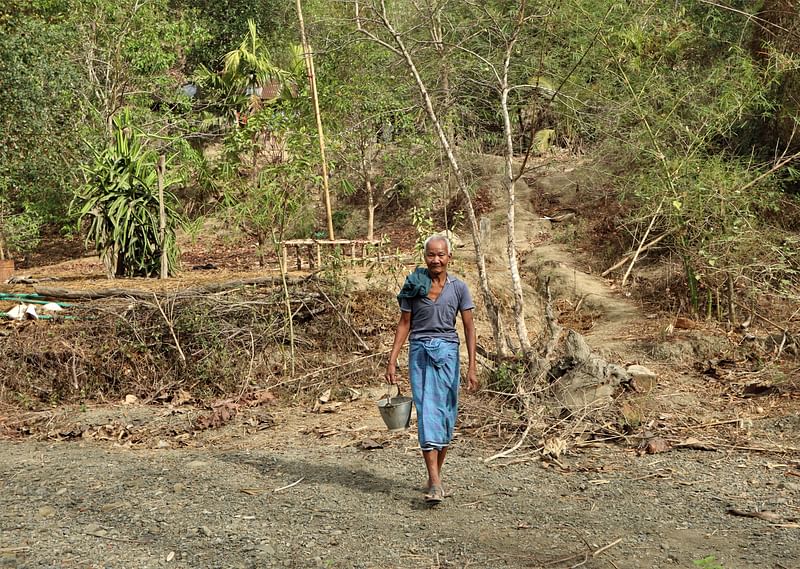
246, 71
120, 199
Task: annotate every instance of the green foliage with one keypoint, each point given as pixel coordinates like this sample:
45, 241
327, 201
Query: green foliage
708, 562
506, 377
689, 102
237, 89
227, 23
19, 230
120, 201
423, 224
67, 66
268, 170
41, 120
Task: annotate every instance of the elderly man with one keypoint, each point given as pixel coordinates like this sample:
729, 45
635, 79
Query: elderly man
429, 303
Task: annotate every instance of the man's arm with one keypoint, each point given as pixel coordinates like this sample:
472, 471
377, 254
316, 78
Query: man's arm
470, 338
400, 335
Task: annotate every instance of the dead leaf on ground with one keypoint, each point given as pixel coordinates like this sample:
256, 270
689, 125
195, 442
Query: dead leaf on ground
685, 323
252, 491
369, 444
261, 398
260, 421
326, 407
554, 447
181, 397
695, 444
218, 417
655, 445
326, 396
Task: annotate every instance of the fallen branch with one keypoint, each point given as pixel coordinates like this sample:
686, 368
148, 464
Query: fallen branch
585, 555
121, 539
512, 449
716, 424
641, 244
61, 293
324, 369
767, 516
605, 547
643, 248
775, 449
763, 318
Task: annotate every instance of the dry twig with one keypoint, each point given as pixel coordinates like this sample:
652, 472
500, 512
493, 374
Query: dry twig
295, 483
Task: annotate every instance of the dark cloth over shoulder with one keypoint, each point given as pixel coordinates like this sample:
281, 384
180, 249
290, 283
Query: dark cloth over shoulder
417, 284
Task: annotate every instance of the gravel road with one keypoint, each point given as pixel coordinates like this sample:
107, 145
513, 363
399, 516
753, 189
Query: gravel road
232, 504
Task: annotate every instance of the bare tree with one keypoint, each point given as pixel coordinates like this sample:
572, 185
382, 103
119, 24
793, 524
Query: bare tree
377, 13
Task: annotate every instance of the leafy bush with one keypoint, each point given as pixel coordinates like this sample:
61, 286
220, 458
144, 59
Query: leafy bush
120, 199
19, 231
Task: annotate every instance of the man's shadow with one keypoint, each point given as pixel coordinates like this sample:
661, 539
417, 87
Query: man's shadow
356, 479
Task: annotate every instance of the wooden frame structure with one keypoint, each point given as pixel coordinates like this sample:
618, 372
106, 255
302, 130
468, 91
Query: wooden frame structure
310, 253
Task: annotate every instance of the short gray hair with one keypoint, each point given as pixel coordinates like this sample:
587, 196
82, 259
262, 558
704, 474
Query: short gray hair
438, 237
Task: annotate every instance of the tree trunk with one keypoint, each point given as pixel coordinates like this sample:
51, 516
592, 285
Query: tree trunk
509, 182
365, 169
370, 210
488, 297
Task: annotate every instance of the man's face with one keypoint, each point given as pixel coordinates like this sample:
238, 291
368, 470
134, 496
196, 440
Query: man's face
437, 257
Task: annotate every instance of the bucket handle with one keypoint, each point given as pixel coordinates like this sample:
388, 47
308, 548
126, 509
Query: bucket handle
388, 395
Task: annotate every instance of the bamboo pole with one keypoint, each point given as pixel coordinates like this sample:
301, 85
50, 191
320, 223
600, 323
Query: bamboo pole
162, 218
312, 79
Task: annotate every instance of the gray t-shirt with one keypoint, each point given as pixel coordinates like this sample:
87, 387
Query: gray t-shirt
437, 318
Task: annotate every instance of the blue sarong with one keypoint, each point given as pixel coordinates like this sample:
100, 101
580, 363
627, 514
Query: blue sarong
433, 367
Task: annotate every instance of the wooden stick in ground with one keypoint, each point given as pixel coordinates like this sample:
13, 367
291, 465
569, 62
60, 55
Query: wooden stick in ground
641, 243
162, 218
642, 250
312, 81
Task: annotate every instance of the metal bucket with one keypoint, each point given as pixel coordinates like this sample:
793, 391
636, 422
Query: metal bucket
395, 411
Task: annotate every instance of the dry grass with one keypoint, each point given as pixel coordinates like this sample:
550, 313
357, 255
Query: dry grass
208, 345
